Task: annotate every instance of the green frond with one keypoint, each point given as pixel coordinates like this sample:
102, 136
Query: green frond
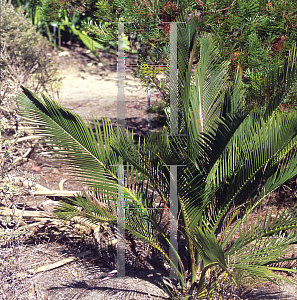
144, 226
86, 155
206, 244
145, 159
210, 83
91, 211
260, 245
253, 157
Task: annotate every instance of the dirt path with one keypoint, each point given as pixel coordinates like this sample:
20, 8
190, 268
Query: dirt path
90, 87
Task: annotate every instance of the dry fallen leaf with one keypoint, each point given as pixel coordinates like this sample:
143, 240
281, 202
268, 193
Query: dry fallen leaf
61, 184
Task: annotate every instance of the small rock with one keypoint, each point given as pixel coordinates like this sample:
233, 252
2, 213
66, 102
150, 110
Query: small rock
65, 53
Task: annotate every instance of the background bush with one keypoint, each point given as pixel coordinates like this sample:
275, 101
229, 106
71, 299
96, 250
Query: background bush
24, 57
22, 60
254, 35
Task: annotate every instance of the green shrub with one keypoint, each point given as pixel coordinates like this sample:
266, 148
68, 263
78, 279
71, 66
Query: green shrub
23, 60
23, 53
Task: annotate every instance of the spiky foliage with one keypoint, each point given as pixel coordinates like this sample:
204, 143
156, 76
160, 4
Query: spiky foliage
231, 158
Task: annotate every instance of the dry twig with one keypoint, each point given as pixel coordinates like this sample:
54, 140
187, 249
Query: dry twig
55, 265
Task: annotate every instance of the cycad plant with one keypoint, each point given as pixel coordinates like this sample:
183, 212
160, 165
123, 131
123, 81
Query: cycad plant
230, 158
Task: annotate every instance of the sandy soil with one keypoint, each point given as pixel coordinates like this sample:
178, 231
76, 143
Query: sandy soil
90, 87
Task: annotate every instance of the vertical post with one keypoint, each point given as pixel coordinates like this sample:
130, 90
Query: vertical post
59, 35
173, 132
173, 80
121, 125
121, 224
121, 77
54, 25
173, 220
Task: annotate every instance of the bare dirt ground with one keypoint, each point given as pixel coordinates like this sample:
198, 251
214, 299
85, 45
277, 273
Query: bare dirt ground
89, 272
90, 87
